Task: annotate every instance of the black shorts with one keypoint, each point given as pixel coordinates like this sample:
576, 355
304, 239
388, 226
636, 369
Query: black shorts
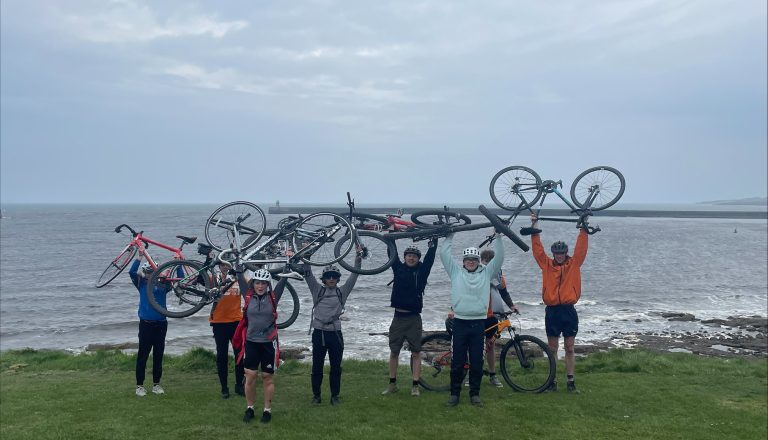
490, 322
405, 328
561, 319
261, 354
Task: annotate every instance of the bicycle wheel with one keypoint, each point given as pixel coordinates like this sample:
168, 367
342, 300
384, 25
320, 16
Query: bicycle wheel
183, 288
369, 222
315, 237
515, 188
220, 226
503, 228
117, 265
605, 185
439, 217
378, 253
527, 365
436, 356
287, 306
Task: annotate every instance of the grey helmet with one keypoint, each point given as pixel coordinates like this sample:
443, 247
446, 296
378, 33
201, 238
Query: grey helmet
330, 272
412, 250
559, 247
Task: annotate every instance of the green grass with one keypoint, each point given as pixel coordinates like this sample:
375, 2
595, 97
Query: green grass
624, 394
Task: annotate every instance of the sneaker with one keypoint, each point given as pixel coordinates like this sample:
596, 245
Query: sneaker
452, 401
496, 382
225, 393
292, 275
140, 391
335, 400
415, 391
157, 389
266, 417
552, 387
316, 400
571, 387
249, 415
240, 390
475, 400
391, 389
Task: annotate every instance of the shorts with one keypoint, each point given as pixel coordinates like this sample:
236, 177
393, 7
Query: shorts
490, 322
261, 354
405, 328
561, 319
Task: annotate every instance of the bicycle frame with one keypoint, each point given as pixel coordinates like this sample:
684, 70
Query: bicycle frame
141, 242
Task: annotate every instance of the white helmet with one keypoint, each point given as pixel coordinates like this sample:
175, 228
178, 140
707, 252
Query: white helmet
471, 252
262, 275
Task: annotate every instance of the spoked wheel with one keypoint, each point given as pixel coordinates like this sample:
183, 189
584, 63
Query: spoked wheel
185, 288
515, 188
378, 254
603, 185
249, 219
315, 237
436, 356
287, 306
439, 217
369, 222
116, 266
527, 365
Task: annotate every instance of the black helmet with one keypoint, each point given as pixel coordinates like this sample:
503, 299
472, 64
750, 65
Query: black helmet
559, 247
412, 250
330, 272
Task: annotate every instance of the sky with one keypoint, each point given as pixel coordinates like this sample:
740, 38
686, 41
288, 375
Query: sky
401, 101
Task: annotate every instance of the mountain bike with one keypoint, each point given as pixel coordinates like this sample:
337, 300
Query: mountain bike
526, 362
380, 251
138, 243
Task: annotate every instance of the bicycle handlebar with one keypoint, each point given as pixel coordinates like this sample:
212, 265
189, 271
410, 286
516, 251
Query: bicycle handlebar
119, 228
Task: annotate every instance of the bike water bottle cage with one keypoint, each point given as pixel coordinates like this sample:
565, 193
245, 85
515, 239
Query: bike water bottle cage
559, 247
412, 250
471, 253
262, 275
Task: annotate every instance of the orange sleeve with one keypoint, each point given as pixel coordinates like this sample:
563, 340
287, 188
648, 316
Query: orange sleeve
538, 251
580, 251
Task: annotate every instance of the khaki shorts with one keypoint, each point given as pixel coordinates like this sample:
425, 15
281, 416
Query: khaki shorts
405, 328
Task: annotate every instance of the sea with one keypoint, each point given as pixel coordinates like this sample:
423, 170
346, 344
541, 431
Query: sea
636, 270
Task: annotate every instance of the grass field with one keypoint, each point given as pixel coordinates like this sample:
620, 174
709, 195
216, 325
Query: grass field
629, 394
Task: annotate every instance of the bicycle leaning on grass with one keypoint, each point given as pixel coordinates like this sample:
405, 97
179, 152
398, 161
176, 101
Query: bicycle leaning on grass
526, 362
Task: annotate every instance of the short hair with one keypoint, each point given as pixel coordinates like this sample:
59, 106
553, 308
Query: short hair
487, 255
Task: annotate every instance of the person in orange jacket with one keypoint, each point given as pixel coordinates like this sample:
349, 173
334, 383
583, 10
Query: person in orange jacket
561, 290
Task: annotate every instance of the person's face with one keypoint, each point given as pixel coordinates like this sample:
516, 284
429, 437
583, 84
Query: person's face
260, 287
471, 264
331, 281
560, 258
411, 260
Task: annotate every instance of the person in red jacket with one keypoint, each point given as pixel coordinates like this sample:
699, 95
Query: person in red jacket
560, 290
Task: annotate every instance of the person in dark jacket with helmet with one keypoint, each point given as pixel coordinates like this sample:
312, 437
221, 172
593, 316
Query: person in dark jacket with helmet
410, 280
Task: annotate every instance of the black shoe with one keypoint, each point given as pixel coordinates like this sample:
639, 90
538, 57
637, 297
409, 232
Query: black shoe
571, 387
225, 393
316, 400
475, 400
552, 387
249, 415
452, 401
240, 390
266, 417
335, 400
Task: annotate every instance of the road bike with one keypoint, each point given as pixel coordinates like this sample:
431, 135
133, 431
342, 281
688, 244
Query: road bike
526, 362
138, 243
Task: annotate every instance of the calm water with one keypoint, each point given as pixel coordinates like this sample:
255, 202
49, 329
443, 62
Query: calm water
636, 269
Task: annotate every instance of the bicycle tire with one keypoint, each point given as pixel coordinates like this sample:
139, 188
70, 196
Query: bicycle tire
512, 187
219, 225
378, 253
116, 266
315, 236
436, 357
503, 228
439, 217
519, 368
186, 290
368, 222
287, 312
609, 182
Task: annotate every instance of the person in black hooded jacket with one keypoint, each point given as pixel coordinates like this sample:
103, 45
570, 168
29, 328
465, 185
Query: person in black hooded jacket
410, 279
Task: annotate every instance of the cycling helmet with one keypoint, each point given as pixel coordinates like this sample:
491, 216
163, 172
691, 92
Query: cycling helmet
330, 272
412, 250
559, 247
262, 275
146, 267
471, 252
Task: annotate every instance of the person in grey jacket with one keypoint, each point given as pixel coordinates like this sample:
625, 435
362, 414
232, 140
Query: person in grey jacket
328, 299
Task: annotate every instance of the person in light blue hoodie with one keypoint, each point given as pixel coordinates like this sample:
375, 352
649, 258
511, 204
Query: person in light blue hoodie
470, 297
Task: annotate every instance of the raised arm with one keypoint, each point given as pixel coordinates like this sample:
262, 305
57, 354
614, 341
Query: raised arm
134, 272
580, 251
496, 262
346, 288
429, 258
242, 283
445, 256
538, 250
280, 287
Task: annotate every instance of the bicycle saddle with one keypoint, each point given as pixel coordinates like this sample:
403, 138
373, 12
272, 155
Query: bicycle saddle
529, 231
188, 240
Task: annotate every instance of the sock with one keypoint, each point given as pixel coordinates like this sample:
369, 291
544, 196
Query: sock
269, 410
392, 380
250, 407
570, 377
415, 383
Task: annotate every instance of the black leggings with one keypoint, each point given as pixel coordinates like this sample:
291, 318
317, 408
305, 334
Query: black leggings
151, 338
331, 342
222, 334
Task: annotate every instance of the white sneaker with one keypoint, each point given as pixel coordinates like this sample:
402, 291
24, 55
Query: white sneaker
140, 391
157, 389
291, 275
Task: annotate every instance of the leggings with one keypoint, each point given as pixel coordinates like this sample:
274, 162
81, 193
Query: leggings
151, 338
222, 334
331, 342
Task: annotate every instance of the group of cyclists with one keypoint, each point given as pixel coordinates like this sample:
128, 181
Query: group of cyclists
246, 318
